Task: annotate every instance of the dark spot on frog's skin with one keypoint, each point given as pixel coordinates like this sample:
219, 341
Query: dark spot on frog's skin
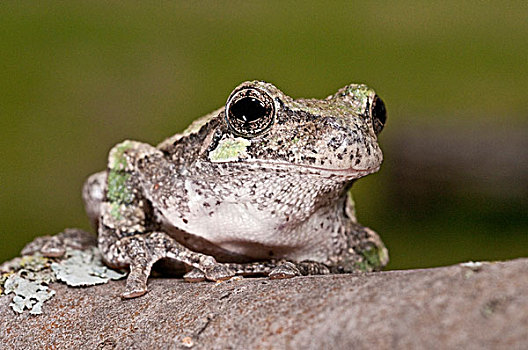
334, 143
207, 205
322, 224
218, 203
185, 221
211, 213
214, 141
310, 160
357, 161
340, 156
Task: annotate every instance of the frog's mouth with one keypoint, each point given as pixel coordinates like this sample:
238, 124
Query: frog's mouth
347, 173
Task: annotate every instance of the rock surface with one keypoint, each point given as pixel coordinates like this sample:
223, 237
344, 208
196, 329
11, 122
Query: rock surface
469, 306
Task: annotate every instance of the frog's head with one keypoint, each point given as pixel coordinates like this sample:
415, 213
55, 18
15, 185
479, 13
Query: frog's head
333, 136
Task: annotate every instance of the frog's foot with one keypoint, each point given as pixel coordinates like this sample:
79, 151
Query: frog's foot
280, 269
136, 283
195, 275
218, 272
285, 270
55, 246
312, 268
141, 251
288, 269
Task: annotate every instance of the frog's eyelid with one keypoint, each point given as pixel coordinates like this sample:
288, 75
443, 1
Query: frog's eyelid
249, 111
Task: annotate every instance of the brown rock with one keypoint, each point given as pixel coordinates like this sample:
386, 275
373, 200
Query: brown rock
456, 307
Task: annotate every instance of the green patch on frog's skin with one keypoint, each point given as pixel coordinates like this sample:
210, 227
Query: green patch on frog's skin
118, 190
359, 92
356, 95
117, 158
230, 150
374, 258
115, 211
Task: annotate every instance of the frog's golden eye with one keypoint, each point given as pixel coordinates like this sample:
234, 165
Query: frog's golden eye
249, 112
378, 114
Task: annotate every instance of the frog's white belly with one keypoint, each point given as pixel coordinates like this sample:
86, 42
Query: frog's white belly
237, 225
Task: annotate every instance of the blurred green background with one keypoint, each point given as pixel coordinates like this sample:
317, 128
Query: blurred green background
78, 77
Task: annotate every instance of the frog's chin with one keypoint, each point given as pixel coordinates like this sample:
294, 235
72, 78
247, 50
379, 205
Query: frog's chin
346, 173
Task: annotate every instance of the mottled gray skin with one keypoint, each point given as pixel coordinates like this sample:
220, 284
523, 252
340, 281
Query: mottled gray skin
221, 200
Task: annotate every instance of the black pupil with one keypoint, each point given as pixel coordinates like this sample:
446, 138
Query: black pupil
379, 111
379, 114
248, 109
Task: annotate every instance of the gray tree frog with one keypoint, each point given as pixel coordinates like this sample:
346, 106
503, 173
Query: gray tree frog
257, 187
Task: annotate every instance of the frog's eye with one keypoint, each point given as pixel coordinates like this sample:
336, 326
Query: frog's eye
249, 112
378, 114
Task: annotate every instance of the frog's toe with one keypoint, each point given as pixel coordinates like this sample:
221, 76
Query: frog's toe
136, 283
284, 270
133, 292
195, 275
219, 272
48, 246
36, 245
135, 287
55, 246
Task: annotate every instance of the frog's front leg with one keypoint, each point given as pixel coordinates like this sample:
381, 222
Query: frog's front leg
364, 251
128, 232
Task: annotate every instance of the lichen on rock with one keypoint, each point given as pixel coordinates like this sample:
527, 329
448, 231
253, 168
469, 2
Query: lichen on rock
29, 294
84, 268
28, 277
